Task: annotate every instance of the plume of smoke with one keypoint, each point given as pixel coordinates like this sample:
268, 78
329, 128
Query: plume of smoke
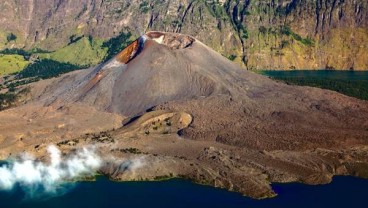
41, 178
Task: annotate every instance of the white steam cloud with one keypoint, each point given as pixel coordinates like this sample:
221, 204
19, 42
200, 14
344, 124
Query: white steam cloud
34, 176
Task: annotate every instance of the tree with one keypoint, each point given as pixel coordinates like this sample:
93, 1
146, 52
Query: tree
11, 37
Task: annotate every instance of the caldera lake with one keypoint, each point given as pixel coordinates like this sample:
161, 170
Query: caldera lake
319, 74
350, 83
342, 192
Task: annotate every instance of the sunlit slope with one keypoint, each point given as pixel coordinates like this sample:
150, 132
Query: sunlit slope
84, 52
11, 64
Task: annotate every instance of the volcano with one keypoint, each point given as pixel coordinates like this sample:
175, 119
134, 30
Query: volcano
154, 69
192, 113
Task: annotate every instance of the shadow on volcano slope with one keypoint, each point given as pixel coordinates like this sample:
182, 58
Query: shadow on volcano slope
245, 130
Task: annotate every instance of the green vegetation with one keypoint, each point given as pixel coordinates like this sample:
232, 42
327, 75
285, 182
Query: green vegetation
232, 57
285, 30
11, 85
263, 30
102, 137
243, 31
176, 23
3, 40
81, 51
164, 177
144, 7
131, 150
22, 52
216, 10
35, 64
11, 37
47, 68
117, 44
284, 11
15, 51
9, 99
68, 142
355, 88
284, 43
12, 63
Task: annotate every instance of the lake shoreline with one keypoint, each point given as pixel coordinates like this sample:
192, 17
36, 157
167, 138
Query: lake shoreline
344, 190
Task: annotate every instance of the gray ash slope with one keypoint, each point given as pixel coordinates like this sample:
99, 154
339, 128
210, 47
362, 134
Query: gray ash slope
157, 74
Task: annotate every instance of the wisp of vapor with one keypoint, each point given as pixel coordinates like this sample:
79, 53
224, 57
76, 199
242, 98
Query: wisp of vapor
32, 175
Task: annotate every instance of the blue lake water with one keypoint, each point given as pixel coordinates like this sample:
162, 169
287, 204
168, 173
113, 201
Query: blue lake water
343, 192
350, 83
331, 74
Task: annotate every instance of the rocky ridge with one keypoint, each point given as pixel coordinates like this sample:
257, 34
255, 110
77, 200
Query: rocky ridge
266, 34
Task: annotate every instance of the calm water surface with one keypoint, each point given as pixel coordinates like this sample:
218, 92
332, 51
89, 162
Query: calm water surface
343, 192
331, 74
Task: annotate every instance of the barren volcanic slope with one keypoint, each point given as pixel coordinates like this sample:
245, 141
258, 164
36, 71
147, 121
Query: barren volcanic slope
186, 111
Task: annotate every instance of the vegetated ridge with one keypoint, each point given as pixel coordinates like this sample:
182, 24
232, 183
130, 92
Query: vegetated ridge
277, 34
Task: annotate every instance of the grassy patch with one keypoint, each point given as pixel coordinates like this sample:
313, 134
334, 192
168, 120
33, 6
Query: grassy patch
11, 63
3, 40
84, 51
285, 30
